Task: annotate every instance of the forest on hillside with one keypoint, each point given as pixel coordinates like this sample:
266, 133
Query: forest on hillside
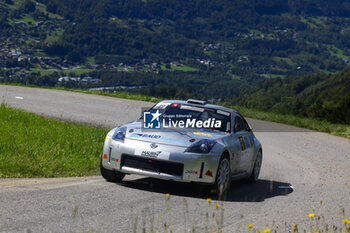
275, 55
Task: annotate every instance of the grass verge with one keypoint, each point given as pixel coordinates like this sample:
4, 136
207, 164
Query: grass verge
34, 146
302, 122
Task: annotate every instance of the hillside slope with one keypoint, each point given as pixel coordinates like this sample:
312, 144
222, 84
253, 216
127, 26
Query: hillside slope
265, 38
226, 50
315, 95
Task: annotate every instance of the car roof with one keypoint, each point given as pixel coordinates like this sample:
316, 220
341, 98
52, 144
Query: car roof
217, 107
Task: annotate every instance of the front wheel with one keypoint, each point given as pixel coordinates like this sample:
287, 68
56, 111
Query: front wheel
223, 176
109, 175
256, 169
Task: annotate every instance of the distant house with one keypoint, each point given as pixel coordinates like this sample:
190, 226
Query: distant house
175, 63
39, 23
21, 23
89, 79
63, 79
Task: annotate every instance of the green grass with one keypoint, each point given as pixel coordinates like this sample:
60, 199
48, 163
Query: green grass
255, 31
39, 53
209, 53
34, 146
320, 20
77, 72
41, 7
178, 68
54, 36
310, 23
273, 75
29, 20
233, 76
90, 60
303, 122
16, 4
287, 60
183, 68
334, 51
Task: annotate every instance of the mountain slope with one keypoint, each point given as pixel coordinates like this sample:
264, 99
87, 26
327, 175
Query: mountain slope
272, 37
315, 95
236, 50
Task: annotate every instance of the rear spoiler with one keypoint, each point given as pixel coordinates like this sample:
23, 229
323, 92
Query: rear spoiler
192, 101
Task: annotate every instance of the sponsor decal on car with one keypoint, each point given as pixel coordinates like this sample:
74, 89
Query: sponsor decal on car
202, 134
161, 105
115, 159
152, 154
144, 135
242, 143
191, 123
191, 172
209, 173
155, 136
211, 156
154, 119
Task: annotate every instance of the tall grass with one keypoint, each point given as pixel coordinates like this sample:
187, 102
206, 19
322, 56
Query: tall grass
34, 146
212, 221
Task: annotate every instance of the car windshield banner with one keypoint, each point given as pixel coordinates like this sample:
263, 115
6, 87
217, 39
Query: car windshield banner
168, 115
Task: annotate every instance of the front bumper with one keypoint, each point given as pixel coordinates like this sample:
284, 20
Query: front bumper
165, 162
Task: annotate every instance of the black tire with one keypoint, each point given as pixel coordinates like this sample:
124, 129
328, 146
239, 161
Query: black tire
223, 176
111, 176
256, 169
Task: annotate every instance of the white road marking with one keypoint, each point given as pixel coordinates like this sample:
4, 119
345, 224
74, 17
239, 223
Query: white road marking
286, 187
19, 97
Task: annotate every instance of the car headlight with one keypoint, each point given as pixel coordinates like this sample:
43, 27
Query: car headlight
202, 146
119, 134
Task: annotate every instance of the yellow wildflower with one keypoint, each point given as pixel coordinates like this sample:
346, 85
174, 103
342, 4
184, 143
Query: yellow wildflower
346, 221
217, 206
311, 215
208, 200
295, 227
267, 230
250, 225
259, 230
167, 195
318, 231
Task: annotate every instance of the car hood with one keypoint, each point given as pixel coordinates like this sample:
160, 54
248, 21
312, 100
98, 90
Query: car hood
176, 136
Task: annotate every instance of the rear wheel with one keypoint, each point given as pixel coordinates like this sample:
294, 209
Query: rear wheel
223, 175
256, 169
109, 175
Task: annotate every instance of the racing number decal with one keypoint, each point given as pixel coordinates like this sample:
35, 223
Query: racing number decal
242, 143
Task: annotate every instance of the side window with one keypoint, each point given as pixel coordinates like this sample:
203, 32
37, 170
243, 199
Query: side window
239, 124
246, 125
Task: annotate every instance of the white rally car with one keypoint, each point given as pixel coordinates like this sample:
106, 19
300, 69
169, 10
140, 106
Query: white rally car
188, 141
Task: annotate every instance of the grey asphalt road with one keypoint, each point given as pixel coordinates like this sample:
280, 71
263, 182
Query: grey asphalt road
300, 168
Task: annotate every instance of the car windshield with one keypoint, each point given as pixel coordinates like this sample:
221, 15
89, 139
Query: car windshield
193, 116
